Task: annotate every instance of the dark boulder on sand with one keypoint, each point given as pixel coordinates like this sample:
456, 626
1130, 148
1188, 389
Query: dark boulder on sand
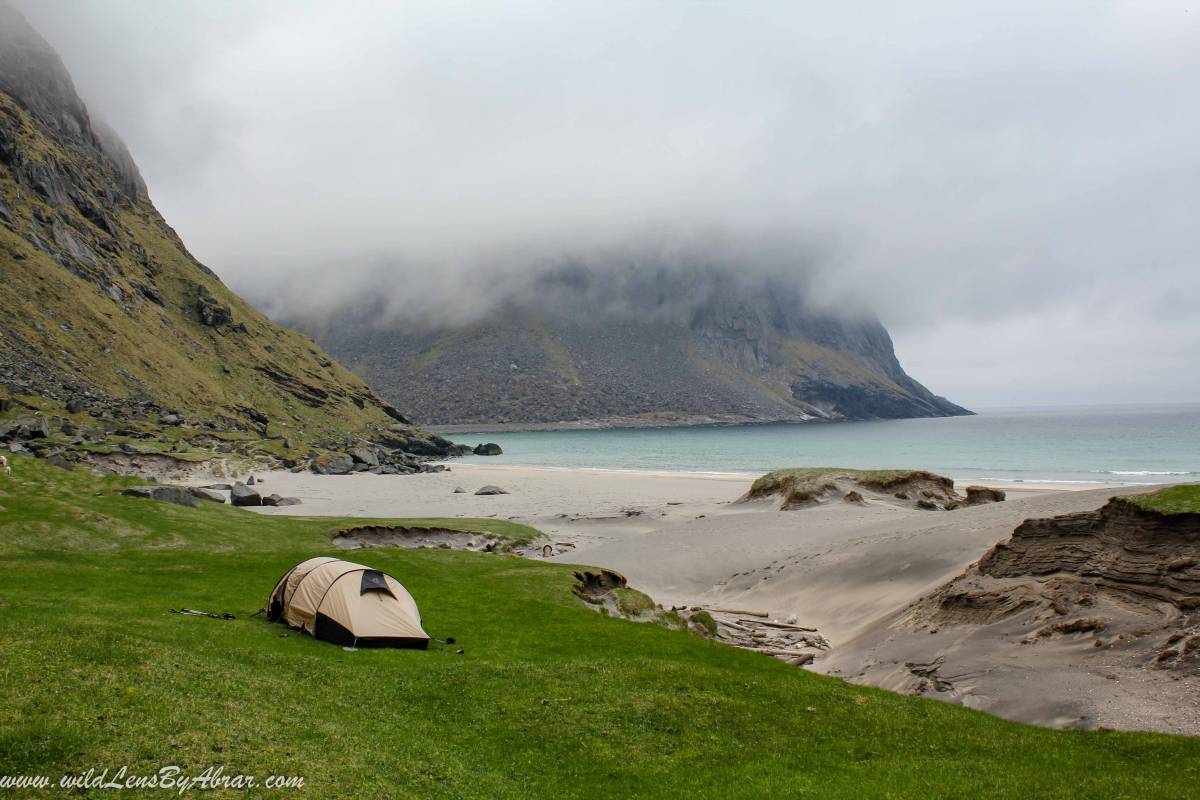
978, 495
242, 495
333, 464
206, 494
165, 494
488, 449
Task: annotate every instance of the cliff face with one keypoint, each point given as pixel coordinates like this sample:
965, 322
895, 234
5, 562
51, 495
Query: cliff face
102, 306
641, 345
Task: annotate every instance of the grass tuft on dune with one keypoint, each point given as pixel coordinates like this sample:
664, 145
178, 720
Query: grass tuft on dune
548, 699
799, 487
1172, 500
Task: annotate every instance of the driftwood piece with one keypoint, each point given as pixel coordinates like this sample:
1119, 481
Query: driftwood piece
738, 611
778, 651
787, 626
799, 657
735, 625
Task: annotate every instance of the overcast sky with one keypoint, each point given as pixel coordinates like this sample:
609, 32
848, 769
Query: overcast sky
1014, 190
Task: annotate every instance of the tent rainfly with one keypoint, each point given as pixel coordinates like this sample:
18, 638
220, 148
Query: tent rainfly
347, 604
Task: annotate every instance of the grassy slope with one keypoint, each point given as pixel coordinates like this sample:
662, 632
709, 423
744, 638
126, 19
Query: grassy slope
1174, 500
136, 346
549, 699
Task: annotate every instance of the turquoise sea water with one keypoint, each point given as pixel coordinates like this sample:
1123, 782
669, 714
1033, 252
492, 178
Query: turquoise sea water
1126, 444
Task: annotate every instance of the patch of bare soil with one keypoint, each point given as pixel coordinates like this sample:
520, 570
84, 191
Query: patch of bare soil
159, 466
414, 537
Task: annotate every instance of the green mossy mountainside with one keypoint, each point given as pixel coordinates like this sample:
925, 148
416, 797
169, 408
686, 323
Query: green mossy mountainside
548, 699
640, 344
101, 305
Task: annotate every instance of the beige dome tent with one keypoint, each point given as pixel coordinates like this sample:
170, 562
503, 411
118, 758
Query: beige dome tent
347, 604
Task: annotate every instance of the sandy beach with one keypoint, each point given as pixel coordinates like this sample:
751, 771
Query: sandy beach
682, 538
845, 569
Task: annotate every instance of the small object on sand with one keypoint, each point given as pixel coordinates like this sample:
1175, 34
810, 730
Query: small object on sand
459, 490
547, 551
490, 490
251, 481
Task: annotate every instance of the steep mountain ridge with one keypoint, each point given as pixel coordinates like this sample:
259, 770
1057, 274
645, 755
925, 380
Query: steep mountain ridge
637, 344
104, 314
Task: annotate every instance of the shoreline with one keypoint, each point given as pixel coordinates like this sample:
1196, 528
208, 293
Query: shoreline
1016, 484
616, 424
638, 423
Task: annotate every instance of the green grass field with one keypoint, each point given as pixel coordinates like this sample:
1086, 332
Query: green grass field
549, 699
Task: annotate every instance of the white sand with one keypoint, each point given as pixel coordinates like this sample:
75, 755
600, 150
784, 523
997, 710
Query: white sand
842, 568
680, 537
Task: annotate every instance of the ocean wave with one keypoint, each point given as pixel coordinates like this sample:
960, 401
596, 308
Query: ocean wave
1140, 472
1067, 481
998, 479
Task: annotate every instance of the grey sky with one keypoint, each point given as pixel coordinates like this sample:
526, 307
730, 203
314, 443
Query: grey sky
1014, 188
